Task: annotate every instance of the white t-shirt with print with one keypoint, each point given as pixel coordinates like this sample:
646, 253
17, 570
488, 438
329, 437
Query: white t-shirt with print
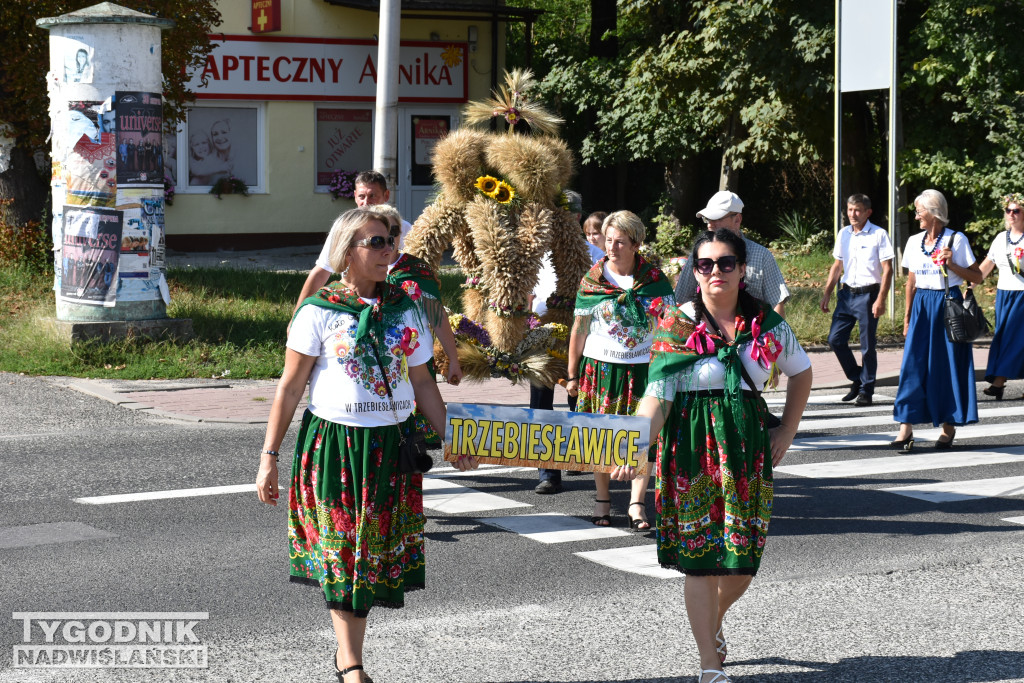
347, 389
997, 254
611, 341
927, 273
708, 373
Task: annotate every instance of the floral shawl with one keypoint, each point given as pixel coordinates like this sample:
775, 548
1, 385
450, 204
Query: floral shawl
648, 283
414, 276
392, 303
679, 343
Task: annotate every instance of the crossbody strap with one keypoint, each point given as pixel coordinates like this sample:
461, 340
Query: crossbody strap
387, 385
945, 277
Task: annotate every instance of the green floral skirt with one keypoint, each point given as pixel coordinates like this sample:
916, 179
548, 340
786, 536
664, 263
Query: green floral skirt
610, 388
713, 494
355, 524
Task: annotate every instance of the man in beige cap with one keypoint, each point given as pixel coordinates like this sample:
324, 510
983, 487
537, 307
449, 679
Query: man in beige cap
763, 279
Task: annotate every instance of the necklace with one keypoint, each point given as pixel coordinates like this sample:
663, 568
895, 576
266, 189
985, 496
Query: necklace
1011, 242
935, 244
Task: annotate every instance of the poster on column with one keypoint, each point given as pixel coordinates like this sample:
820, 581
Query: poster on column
76, 56
89, 255
142, 244
139, 124
89, 173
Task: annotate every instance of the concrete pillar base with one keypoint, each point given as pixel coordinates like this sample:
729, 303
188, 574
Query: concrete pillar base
162, 328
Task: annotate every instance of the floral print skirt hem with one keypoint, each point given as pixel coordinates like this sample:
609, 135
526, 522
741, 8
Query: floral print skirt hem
714, 489
347, 606
610, 388
355, 524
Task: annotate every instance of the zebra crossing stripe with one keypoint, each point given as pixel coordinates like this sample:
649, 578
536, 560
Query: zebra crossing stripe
446, 472
451, 498
637, 559
933, 460
957, 491
876, 439
868, 420
1015, 520
553, 527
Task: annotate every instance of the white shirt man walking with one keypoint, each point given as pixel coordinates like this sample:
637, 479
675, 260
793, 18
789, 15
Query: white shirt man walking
863, 254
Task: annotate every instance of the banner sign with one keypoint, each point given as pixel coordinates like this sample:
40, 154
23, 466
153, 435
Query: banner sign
865, 45
327, 69
266, 16
551, 439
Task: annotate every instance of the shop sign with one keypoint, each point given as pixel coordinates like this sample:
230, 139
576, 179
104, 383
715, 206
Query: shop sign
323, 69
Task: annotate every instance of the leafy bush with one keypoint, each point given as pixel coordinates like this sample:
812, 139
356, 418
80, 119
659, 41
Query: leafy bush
25, 245
801, 234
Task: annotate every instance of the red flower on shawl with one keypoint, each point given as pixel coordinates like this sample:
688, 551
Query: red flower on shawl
656, 306
667, 322
334, 299
412, 289
409, 341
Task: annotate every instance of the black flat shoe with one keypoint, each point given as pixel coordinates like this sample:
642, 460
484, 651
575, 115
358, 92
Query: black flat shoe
341, 673
945, 445
852, 393
903, 447
994, 392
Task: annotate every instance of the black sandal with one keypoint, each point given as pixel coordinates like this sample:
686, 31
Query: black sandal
636, 522
344, 672
607, 519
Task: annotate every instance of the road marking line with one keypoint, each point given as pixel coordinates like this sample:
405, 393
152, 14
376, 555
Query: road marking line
553, 527
160, 495
903, 463
449, 497
809, 426
874, 439
52, 532
956, 491
827, 399
439, 472
637, 559
1015, 520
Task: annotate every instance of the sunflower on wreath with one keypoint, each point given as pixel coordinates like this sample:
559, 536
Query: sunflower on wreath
498, 190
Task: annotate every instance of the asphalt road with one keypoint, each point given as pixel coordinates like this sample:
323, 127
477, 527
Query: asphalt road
858, 583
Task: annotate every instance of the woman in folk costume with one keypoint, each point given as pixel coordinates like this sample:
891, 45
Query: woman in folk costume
1006, 353
355, 521
711, 358
415, 276
610, 345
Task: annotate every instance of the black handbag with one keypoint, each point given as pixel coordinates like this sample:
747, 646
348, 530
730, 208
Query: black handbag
963, 318
412, 448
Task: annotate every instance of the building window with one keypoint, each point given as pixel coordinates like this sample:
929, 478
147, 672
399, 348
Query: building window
344, 141
218, 141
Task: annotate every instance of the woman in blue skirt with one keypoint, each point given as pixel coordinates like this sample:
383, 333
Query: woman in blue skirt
937, 375
1006, 355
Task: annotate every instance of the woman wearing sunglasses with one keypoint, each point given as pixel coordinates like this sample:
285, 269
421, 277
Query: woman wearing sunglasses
617, 306
355, 523
1006, 354
710, 361
936, 375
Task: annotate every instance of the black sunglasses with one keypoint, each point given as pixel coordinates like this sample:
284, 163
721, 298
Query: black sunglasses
726, 264
1015, 212
377, 242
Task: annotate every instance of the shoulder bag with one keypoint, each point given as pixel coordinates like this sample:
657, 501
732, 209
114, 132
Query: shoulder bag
964, 318
412, 448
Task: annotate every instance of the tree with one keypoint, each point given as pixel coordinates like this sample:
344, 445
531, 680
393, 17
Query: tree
962, 90
24, 57
743, 81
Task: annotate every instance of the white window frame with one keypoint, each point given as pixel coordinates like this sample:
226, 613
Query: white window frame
184, 187
323, 189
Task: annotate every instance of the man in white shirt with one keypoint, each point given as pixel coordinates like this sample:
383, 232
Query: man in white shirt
763, 279
371, 189
863, 254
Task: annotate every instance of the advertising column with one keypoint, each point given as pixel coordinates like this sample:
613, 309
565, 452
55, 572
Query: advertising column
107, 179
